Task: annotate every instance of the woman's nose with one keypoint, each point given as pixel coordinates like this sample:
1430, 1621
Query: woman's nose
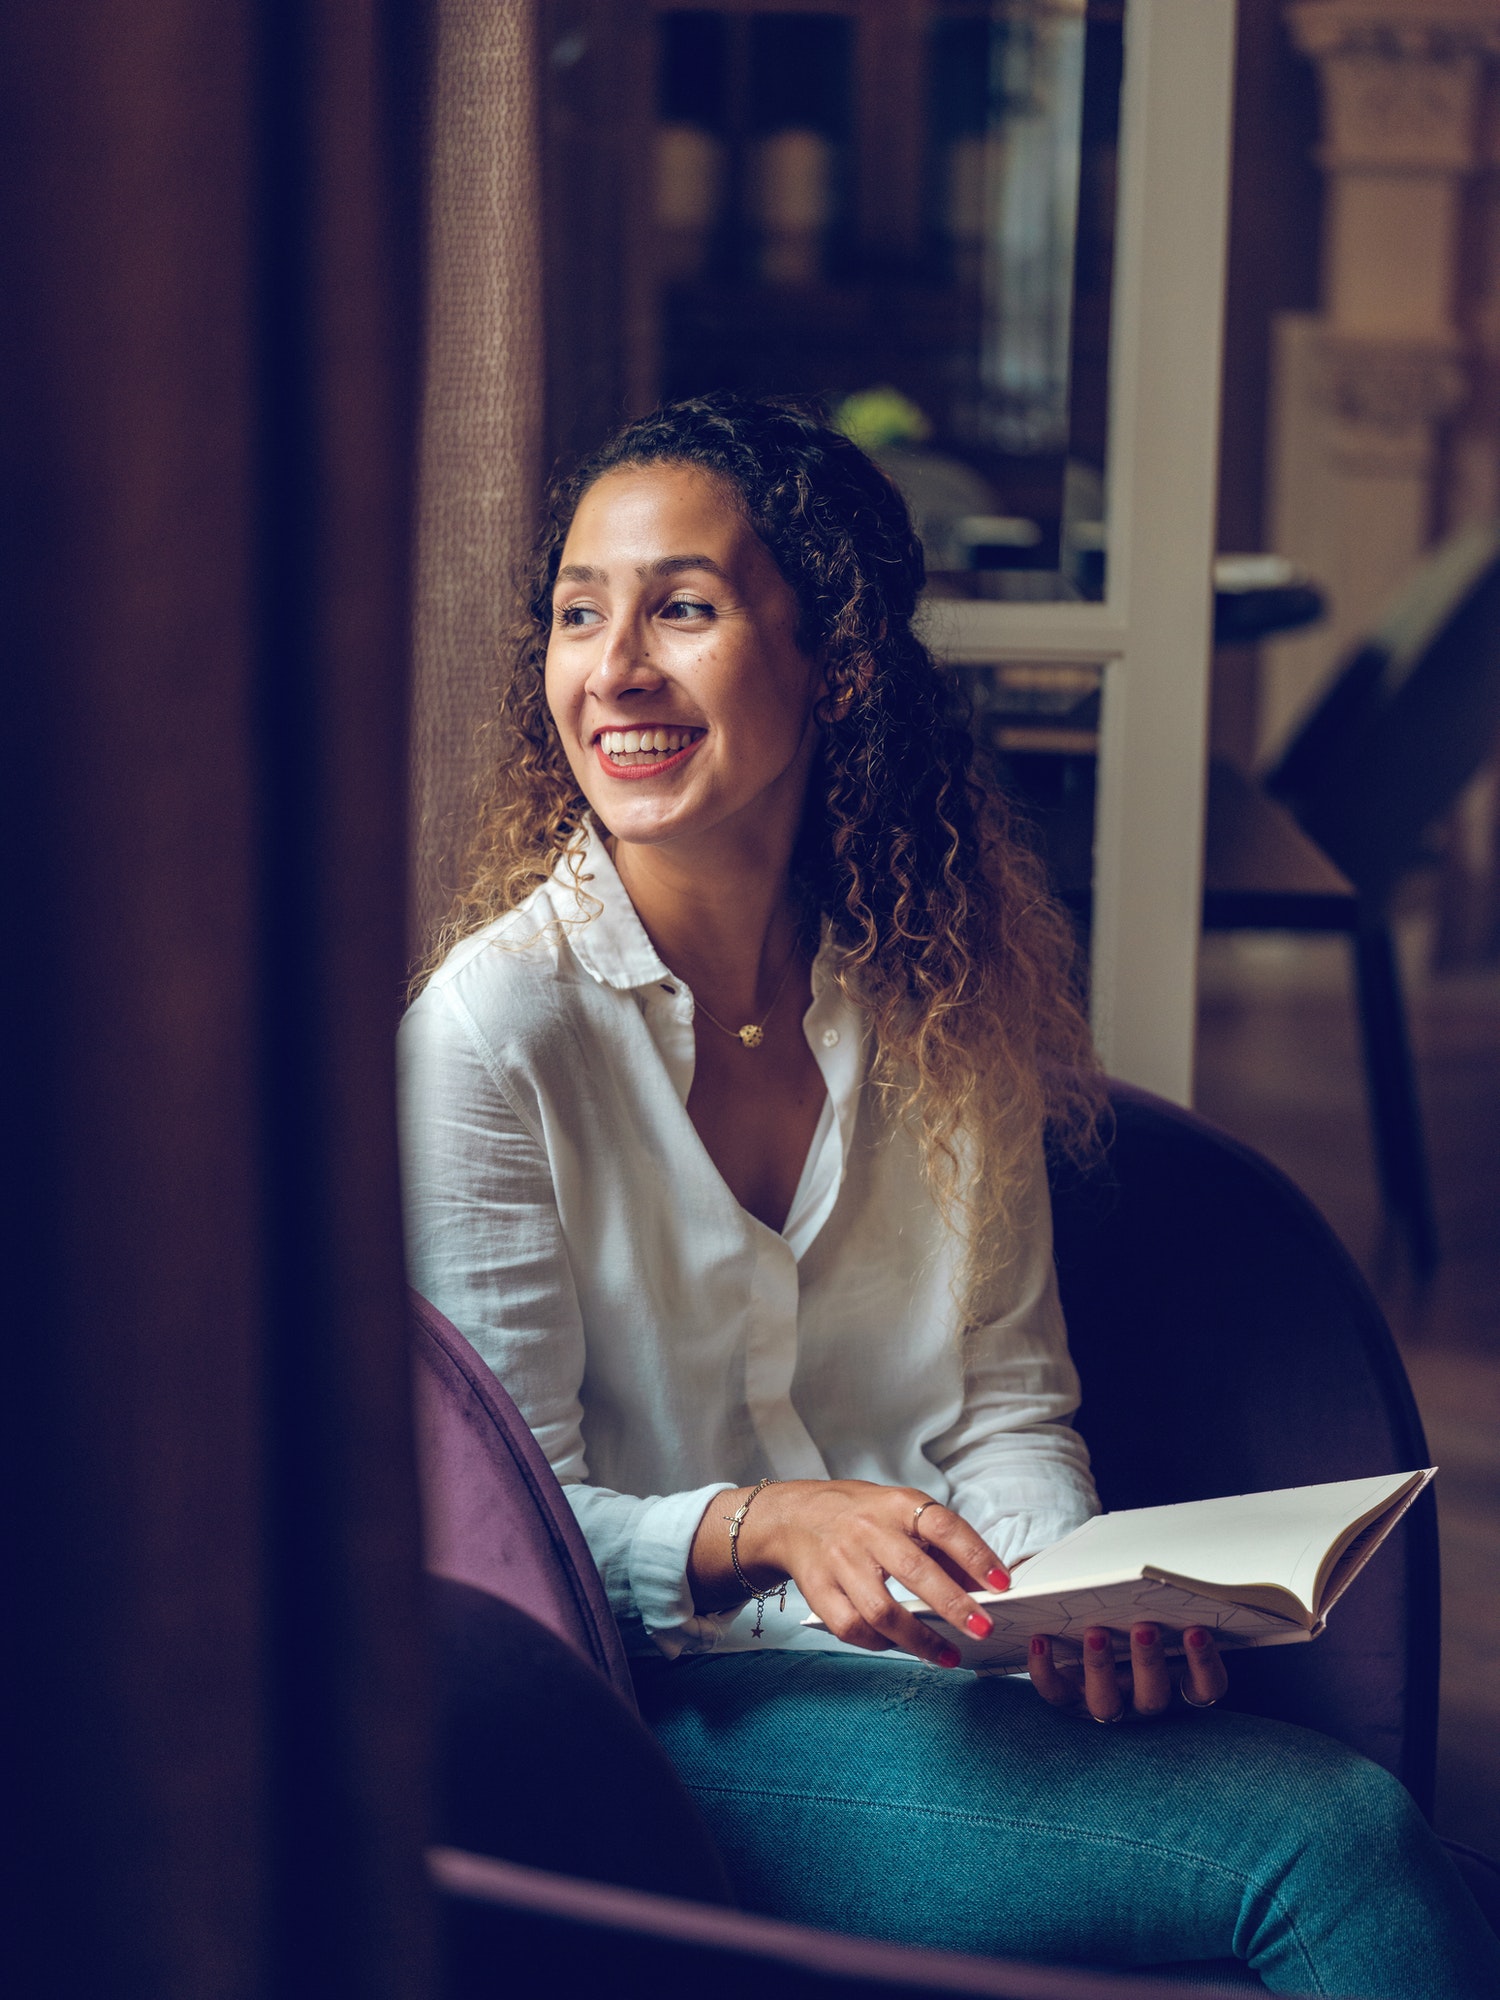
624, 661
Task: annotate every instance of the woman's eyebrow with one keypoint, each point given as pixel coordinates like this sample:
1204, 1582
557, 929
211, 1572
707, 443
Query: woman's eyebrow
669, 566
663, 566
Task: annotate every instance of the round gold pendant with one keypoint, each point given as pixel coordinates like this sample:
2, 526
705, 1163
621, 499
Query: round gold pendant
751, 1035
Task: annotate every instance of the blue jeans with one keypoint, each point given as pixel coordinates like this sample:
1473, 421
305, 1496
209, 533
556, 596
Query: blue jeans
942, 1809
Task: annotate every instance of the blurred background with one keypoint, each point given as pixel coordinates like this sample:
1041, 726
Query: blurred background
905, 210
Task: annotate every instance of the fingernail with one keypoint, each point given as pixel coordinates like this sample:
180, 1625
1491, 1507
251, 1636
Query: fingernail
1039, 1645
997, 1578
1096, 1642
950, 1656
978, 1624
1197, 1640
1145, 1635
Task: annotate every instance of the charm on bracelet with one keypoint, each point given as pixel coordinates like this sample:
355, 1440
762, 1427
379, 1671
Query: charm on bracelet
736, 1521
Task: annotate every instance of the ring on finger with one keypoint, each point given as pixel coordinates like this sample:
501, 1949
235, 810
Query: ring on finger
1212, 1702
1118, 1716
917, 1513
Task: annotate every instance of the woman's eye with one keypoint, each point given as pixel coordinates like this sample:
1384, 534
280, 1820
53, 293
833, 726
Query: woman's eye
687, 607
575, 614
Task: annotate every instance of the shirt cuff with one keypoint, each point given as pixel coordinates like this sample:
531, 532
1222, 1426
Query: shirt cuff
657, 1565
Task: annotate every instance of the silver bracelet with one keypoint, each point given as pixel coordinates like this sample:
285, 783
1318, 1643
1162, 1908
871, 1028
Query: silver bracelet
736, 1522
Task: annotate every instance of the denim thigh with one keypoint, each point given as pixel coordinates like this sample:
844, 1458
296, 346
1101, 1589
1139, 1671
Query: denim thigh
944, 1809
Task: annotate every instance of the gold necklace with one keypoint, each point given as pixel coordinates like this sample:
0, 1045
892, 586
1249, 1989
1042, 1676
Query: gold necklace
754, 1032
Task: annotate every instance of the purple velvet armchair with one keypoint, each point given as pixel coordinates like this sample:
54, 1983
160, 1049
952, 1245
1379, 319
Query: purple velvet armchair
1213, 1314
494, 1515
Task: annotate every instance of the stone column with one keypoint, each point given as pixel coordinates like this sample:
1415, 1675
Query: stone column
1382, 431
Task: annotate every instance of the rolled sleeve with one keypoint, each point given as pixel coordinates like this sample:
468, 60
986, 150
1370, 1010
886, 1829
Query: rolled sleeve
642, 1549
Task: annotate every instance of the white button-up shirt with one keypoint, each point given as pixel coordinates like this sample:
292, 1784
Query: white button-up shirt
662, 1343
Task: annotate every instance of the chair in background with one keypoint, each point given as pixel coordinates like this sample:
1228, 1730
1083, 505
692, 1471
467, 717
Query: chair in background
1405, 724
1226, 1343
1320, 842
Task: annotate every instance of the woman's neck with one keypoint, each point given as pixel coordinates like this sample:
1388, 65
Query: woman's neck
727, 925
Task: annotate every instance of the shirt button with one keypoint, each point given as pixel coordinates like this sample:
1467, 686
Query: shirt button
830, 1038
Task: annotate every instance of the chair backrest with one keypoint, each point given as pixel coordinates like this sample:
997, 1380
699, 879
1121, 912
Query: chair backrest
1228, 1344
1406, 722
494, 1515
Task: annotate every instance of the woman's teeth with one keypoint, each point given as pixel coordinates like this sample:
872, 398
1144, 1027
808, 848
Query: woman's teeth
644, 746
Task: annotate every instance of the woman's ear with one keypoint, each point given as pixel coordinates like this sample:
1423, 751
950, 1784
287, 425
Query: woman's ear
833, 690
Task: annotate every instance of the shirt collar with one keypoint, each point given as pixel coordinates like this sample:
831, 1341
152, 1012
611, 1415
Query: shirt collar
610, 942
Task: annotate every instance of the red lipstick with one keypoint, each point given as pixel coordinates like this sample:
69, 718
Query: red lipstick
625, 772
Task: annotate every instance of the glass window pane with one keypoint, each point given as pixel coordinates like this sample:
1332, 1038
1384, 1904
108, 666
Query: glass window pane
904, 209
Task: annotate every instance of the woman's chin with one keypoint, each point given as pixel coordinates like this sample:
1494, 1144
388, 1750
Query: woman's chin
695, 806
688, 826
640, 821
656, 833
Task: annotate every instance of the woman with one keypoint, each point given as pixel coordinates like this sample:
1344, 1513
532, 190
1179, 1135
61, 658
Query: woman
724, 1111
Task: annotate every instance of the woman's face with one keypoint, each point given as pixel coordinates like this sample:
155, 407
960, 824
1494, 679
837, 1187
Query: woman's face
683, 700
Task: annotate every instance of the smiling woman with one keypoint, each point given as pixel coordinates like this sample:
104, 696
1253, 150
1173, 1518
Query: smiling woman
777, 1299
686, 710
765, 566
701, 646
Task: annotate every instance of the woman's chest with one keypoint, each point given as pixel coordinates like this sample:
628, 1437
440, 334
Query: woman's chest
703, 1326
756, 1112
669, 1261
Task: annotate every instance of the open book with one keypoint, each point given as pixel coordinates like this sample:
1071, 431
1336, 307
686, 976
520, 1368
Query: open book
1259, 1569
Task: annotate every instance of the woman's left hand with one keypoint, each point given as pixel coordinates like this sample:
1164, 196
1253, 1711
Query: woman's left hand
1146, 1687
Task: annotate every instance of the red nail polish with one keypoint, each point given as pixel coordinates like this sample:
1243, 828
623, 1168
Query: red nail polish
1039, 1645
1197, 1640
950, 1656
997, 1578
1145, 1635
1096, 1642
978, 1624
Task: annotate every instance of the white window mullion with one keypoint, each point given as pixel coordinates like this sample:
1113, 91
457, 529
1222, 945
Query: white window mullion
1163, 474
1153, 636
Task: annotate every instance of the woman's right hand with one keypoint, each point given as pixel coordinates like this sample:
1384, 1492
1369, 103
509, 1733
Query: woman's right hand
841, 1541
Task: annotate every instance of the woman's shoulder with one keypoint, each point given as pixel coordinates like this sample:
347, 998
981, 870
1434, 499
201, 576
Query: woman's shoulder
507, 979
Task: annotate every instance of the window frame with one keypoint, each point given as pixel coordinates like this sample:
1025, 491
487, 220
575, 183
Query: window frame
1152, 635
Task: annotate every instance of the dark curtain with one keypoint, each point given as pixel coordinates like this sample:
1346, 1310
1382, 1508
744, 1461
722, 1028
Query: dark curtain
211, 1702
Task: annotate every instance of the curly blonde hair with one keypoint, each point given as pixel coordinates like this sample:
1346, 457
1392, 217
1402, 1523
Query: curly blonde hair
946, 935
